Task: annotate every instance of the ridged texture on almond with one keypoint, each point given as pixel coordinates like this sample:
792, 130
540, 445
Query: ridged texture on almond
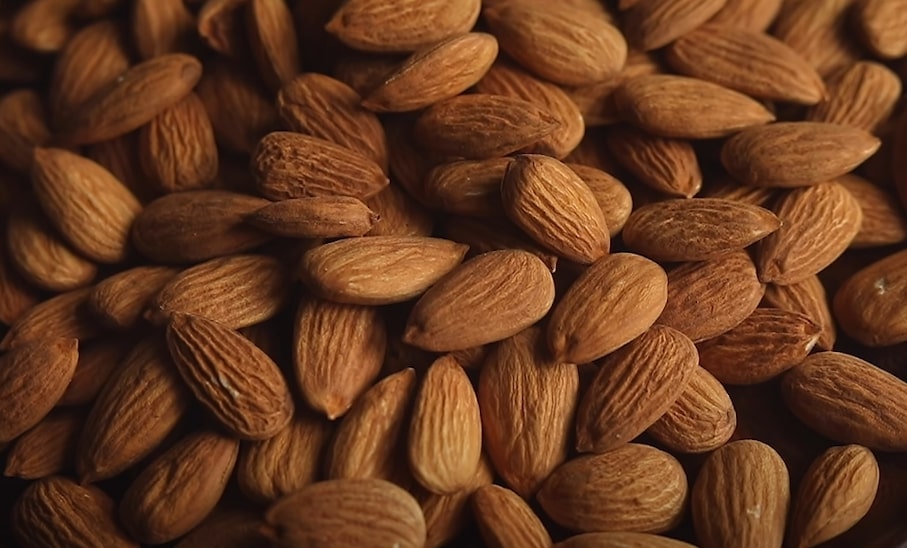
177, 490
250, 397
766, 344
696, 230
445, 414
793, 154
369, 441
504, 519
620, 540
836, 492
484, 235
729, 189
819, 32
235, 291
97, 362
863, 96
16, 296
447, 515
749, 15
666, 165
338, 352
57, 512
482, 126
504, 79
881, 24
741, 497
22, 127
272, 37
87, 204
328, 109
701, 419
817, 225
379, 270
62, 316
867, 305
552, 204
687, 108
634, 488
706, 299
32, 379
848, 400
119, 430
120, 156
633, 388
189, 227
119, 300
132, 99
613, 196
330, 513
597, 101
560, 44
613, 301
46, 449
292, 459
486, 299
399, 214
401, 25
884, 221
806, 297
528, 403
433, 74
318, 217
750, 62
651, 24
161, 27
293, 165
467, 187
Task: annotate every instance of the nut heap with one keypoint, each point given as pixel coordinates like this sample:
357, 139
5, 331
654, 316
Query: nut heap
441, 272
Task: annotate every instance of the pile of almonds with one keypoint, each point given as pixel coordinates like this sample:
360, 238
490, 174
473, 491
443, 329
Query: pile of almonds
515, 273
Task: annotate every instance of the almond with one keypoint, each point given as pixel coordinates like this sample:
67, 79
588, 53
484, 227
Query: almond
16, 296
23, 126
612, 196
487, 235
272, 36
161, 27
97, 362
120, 156
818, 31
866, 305
468, 187
863, 96
807, 297
597, 101
119, 300
43, 25
447, 516
226, 528
62, 316
666, 165
505, 519
317, 217
48, 448
881, 24
884, 221
651, 24
220, 26
399, 214
750, 15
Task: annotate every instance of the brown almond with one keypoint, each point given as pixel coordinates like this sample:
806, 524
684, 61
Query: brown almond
505, 519
43, 25
119, 300
467, 187
48, 448
863, 96
881, 24
666, 165
620, 540
23, 126
749, 15
818, 31
884, 221
866, 305
97, 362
220, 26
485, 235
229, 528
612, 196
486, 299
61, 316
807, 297
16, 296
635, 488
399, 214
651, 24
447, 516
315, 217
597, 101
120, 156
272, 36
161, 26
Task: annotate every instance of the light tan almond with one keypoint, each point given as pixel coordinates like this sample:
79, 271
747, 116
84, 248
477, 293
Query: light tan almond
486, 299
881, 24
527, 402
97, 362
863, 96
484, 235
750, 15
666, 165
62, 316
505, 519
23, 126
316, 217
161, 26
612, 196
818, 31
467, 187
119, 300
884, 222
48, 448
272, 37
687, 108
651, 24
806, 297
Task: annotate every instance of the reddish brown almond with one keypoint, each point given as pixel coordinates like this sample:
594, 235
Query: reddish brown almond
552, 204
749, 15
633, 388
702, 418
651, 24
766, 344
884, 221
272, 37
633, 488
161, 27
177, 490
292, 165
666, 165
741, 497
445, 414
250, 398
749, 62
484, 235
317, 217
48, 448
338, 352
220, 26
848, 400
482, 126
505, 519
706, 299
399, 214
527, 403
882, 24
326, 108
687, 108
16, 296
43, 25
486, 299
612, 302
792, 154
32, 378
621, 540
563, 45
696, 230
62, 316
837, 491
468, 187
120, 156
87, 204
612, 196
120, 300
23, 126
58, 512
729, 189
364, 72
115, 109
234, 291
436, 73
817, 225
329, 513
404, 25
446, 516
866, 305
817, 31
807, 297
229, 528
97, 362
597, 101
863, 96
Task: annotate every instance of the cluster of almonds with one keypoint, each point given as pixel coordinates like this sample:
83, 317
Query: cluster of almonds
401, 272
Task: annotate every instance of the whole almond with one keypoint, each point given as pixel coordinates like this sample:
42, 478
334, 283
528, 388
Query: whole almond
866, 305
818, 31
666, 165
272, 37
848, 400
120, 156
23, 126
884, 221
380, 269
447, 516
316, 217
329, 513
527, 403
48, 448
119, 300
635, 488
486, 299
505, 519
807, 297
399, 214
881, 24
750, 15
863, 96
62, 316
230, 528
468, 187
741, 496
161, 27
97, 362
612, 196
651, 24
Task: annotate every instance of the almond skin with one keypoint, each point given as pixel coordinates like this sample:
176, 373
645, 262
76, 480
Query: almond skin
867, 304
620, 540
613, 196
666, 165
468, 187
881, 24
61, 316
505, 519
319, 217
634, 488
848, 400
161, 27
651, 24
23, 126
119, 300
97, 362
817, 32
466, 308
272, 37
48, 448
807, 297
884, 221
750, 15
863, 96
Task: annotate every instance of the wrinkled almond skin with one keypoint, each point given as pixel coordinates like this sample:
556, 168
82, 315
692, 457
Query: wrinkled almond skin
612, 195
806, 297
621, 540
633, 488
161, 27
485, 235
446, 516
467, 187
16, 296
818, 32
228, 528
884, 221
867, 304
273, 41
749, 15
666, 165
120, 300
97, 362
317, 217
848, 400
399, 214
219, 25
467, 307
61, 316
651, 24
863, 96
504, 519
47, 449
